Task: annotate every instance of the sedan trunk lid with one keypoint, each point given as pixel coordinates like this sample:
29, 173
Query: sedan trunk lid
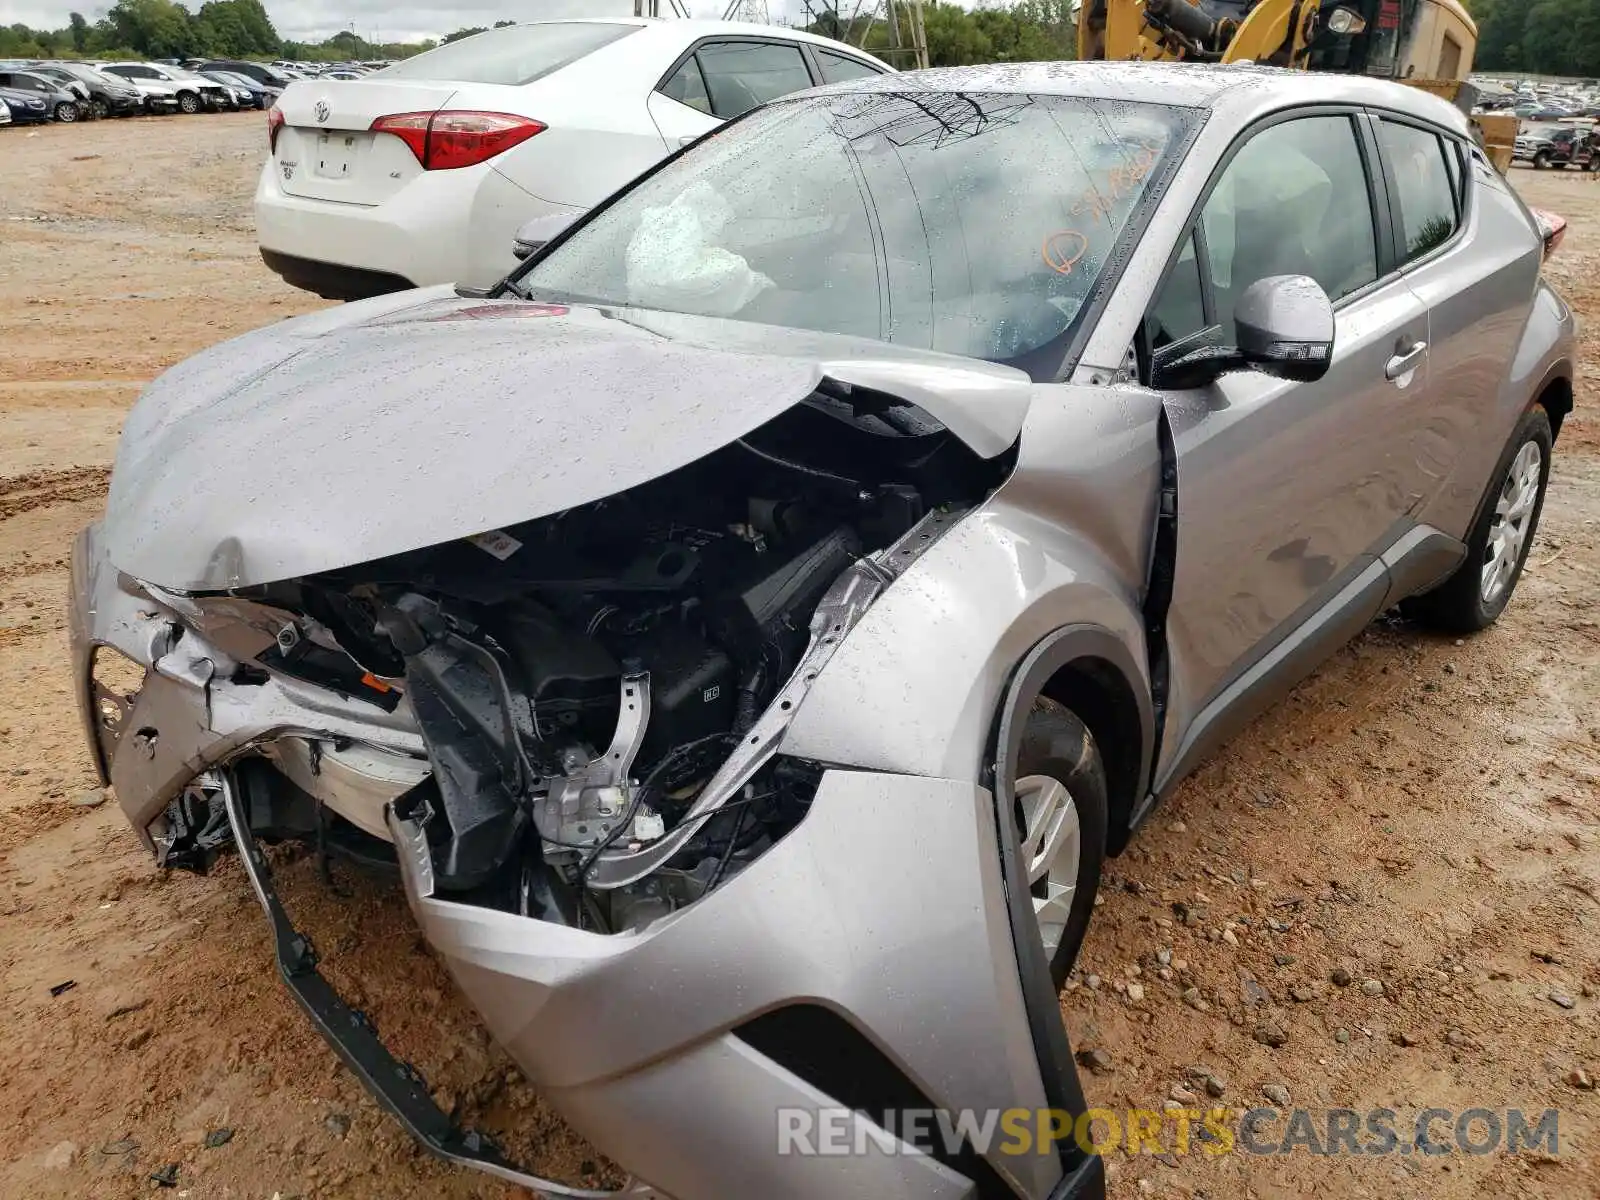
326, 150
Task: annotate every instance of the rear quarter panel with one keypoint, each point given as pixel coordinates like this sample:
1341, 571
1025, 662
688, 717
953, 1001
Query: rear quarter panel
599, 133
1498, 336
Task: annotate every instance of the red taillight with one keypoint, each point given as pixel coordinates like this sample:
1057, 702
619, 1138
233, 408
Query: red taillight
1552, 228
447, 140
410, 128
275, 120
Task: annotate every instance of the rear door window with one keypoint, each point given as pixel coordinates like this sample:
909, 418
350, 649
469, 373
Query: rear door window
741, 75
836, 68
515, 55
1425, 200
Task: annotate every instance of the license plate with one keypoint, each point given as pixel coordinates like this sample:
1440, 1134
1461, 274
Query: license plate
336, 153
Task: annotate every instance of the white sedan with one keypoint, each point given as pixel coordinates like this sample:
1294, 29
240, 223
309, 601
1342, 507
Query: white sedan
423, 173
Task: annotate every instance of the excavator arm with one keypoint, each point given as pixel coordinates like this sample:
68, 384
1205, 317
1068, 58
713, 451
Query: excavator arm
1269, 31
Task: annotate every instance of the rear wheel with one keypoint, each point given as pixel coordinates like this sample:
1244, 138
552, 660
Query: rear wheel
67, 111
100, 109
188, 103
1060, 805
1475, 596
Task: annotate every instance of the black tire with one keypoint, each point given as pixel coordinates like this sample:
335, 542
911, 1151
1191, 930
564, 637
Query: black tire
1541, 160
1055, 743
67, 112
188, 103
1458, 604
100, 109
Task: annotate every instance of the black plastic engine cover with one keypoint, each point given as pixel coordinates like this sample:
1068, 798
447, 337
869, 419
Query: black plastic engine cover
777, 598
693, 688
570, 680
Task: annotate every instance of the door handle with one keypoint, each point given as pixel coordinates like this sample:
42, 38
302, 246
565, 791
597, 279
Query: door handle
687, 138
1405, 361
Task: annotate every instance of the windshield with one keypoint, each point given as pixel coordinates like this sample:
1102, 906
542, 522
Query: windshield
973, 224
514, 55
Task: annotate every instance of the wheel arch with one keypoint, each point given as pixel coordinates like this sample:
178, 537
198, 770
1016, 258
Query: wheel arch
1090, 671
1556, 400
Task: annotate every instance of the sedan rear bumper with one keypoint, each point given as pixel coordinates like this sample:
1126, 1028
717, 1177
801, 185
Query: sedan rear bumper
441, 227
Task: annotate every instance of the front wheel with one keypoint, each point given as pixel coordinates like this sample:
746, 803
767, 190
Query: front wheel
67, 112
1060, 805
1541, 160
1475, 596
188, 103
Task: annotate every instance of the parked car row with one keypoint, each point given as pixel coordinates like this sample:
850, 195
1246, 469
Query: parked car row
37, 91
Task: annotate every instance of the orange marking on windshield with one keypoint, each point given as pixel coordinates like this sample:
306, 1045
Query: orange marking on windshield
1062, 251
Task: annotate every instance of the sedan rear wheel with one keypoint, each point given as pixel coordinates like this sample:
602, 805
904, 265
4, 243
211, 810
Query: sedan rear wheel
188, 103
100, 109
1060, 806
67, 112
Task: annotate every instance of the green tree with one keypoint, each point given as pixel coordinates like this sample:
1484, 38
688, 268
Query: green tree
155, 28
463, 33
80, 33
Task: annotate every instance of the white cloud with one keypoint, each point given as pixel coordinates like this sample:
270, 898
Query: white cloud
386, 20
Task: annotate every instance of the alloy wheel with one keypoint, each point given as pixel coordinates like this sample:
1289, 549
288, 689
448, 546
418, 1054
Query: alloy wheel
1513, 517
66, 113
1052, 846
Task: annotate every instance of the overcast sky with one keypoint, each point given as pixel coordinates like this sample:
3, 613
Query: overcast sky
382, 20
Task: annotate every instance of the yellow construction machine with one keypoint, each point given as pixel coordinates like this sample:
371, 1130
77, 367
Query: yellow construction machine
1424, 43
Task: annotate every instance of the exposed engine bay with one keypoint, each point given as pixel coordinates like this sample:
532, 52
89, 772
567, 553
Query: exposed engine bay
599, 691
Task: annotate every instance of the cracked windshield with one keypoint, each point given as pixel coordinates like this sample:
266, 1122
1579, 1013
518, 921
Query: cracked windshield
973, 224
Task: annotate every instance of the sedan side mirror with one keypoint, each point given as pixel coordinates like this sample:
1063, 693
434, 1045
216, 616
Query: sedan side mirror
534, 234
1285, 329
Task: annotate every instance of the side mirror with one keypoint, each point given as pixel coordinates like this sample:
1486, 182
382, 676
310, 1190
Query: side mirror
1286, 327
534, 234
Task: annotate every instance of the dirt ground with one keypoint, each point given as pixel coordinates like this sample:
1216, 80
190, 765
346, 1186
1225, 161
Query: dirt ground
1424, 813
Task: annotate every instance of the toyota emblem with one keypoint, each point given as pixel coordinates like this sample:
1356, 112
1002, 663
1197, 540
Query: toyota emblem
323, 112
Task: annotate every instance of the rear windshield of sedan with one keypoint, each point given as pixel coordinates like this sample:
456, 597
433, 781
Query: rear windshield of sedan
515, 55
969, 223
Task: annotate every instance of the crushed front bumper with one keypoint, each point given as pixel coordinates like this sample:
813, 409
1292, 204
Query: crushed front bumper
866, 964
874, 937
184, 704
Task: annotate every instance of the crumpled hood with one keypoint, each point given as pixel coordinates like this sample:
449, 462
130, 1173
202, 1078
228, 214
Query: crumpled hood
411, 420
